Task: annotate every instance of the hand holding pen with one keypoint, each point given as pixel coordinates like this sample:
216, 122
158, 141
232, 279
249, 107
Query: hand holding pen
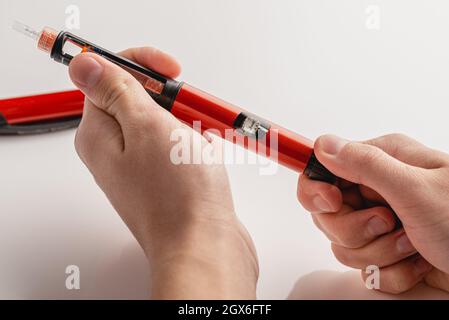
381, 178
182, 216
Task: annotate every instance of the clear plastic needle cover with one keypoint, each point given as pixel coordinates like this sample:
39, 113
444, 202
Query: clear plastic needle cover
45, 38
26, 30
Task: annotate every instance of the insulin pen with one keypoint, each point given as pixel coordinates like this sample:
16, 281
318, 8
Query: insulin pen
185, 102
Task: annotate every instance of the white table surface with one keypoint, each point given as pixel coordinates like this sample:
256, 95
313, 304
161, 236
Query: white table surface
312, 66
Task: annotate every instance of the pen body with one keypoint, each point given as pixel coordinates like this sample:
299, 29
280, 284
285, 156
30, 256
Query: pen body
51, 106
185, 102
219, 117
191, 106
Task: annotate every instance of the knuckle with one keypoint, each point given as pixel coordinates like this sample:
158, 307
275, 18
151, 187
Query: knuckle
341, 254
348, 231
388, 139
301, 198
395, 285
112, 91
324, 222
383, 212
347, 239
386, 214
397, 136
305, 200
317, 222
344, 234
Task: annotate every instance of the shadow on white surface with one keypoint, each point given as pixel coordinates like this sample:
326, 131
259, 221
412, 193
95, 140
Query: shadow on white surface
52, 216
331, 285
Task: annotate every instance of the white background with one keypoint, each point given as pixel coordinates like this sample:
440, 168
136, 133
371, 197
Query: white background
310, 65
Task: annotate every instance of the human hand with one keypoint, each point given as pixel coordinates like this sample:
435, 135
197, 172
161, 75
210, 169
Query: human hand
382, 177
182, 215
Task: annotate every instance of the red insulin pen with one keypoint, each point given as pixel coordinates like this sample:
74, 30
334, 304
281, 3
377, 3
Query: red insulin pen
62, 110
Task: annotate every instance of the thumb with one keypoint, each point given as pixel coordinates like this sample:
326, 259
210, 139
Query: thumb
367, 165
113, 90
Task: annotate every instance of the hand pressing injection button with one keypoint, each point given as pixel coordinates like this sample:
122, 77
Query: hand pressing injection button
182, 216
380, 178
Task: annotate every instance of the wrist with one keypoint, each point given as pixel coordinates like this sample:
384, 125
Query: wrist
205, 259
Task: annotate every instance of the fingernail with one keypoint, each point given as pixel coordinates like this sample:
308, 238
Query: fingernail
86, 71
321, 204
377, 226
422, 266
332, 145
404, 245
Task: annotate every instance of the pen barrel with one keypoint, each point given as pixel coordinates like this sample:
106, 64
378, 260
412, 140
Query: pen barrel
42, 107
222, 118
190, 105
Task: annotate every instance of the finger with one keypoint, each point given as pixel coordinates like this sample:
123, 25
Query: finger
114, 91
409, 151
438, 279
382, 252
355, 229
403, 275
369, 165
99, 136
154, 59
316, 196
